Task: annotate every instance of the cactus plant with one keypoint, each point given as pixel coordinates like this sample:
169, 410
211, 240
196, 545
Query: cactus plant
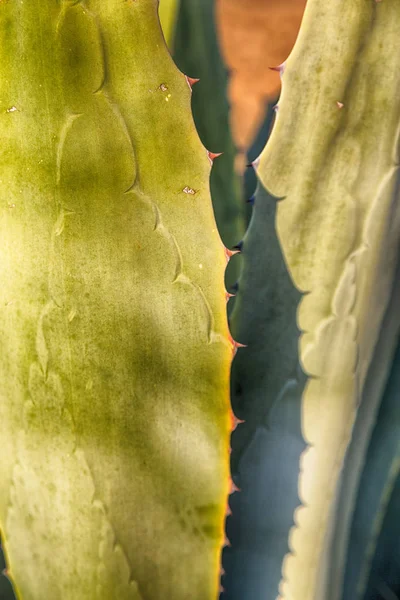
332, 165
114, 411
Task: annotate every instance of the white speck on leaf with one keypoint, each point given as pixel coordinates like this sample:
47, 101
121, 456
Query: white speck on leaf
189, 190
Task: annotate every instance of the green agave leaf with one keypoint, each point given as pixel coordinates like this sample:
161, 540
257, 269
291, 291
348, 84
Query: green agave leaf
6, 590
381, 470
266, 387
196, 53
384, 579
167, 12
114, 411
338, 226
356, 455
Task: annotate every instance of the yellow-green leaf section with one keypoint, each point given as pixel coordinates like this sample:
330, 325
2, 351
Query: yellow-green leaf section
168, 11
115, 352
334, 157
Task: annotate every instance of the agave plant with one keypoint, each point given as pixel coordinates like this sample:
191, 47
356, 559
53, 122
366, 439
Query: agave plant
114, 410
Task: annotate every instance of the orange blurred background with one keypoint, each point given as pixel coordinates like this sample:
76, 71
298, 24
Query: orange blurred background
255, 35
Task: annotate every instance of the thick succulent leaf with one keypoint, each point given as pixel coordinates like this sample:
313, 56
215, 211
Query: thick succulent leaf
381, 470
333, 159
6, 590
168, 11
114, 412
196, 53
266, 388
250, 176
367, 414
384, 580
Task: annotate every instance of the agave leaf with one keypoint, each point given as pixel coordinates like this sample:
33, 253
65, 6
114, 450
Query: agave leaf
339, 227
381, 470
6, 590
114, 413
266, 388
197, 53
167, 12
367, 414
384, 579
